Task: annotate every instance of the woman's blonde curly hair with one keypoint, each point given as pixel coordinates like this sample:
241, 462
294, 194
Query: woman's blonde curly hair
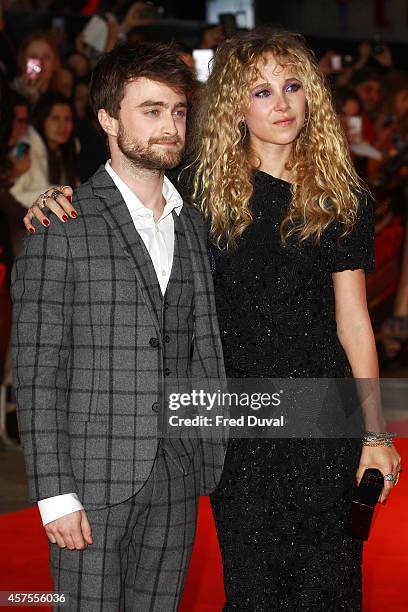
325, 186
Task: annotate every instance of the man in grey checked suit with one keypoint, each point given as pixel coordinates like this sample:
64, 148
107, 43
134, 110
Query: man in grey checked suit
105, 310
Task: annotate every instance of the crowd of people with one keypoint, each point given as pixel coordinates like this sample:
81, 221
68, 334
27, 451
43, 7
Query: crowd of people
50, 136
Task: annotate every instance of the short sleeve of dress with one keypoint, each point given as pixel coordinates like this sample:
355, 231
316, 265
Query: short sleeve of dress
355, 250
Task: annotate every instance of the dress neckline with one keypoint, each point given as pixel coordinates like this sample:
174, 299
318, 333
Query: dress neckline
274, 179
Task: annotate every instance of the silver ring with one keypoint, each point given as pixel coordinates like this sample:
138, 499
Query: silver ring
55, 194
389, 477
43, 200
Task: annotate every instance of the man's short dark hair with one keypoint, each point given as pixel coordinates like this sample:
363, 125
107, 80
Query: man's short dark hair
124, 64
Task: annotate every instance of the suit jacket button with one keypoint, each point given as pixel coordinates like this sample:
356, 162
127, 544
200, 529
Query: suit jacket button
155, 407
167, 339
167, 372
154, 342
165, 305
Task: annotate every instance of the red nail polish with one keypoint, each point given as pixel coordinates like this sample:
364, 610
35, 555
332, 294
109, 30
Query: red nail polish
64, 218
46, 222
74, 214
69, 198
31, 230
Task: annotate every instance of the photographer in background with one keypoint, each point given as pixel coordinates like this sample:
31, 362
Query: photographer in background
367, 84
375, 55
357, 129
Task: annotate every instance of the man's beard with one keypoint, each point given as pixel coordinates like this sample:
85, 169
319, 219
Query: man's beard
144, 156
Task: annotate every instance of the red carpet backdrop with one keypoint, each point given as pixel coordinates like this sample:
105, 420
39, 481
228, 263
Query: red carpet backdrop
24, 556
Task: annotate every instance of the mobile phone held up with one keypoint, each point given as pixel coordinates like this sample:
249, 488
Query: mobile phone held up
228, 23
202, 63
58, 23
355, 127
151, 12
33, 68
21, 149
95, 33
338, 62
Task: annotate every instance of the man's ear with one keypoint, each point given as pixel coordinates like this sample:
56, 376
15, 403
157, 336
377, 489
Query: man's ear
108, 124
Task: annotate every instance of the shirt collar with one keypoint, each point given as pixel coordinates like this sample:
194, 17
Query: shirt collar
174, 201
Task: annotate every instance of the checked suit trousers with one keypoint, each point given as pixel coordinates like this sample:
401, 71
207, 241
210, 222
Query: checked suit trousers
142, 547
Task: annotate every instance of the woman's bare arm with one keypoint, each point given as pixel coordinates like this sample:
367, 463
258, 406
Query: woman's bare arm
356, 335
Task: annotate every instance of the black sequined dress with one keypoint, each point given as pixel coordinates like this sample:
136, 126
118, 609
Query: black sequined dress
282, 506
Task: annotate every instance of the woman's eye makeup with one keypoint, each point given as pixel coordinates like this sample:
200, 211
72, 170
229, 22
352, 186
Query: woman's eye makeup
294, 86
265, 91
261, 92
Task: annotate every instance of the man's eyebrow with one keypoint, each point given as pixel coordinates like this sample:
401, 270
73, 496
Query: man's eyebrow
148, 103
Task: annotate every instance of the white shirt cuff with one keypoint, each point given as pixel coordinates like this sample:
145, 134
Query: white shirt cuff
53, 508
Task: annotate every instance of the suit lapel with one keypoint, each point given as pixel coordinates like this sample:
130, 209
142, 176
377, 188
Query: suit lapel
112, 207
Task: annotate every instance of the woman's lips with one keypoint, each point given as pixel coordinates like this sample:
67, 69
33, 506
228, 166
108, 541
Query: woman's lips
283, 122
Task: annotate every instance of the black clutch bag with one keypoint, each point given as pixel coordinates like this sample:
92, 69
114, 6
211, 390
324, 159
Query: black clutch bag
364, 500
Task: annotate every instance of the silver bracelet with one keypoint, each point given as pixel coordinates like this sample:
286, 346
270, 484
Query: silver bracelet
375, 438
383, 442
379, 435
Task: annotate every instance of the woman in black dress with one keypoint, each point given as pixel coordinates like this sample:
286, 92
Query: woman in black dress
276, 183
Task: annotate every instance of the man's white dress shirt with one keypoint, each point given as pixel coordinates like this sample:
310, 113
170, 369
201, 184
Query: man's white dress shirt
158, 239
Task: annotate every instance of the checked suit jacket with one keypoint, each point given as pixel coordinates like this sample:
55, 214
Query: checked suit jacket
86, 377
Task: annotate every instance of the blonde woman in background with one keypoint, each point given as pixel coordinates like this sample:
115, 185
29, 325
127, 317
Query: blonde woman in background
292, 236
